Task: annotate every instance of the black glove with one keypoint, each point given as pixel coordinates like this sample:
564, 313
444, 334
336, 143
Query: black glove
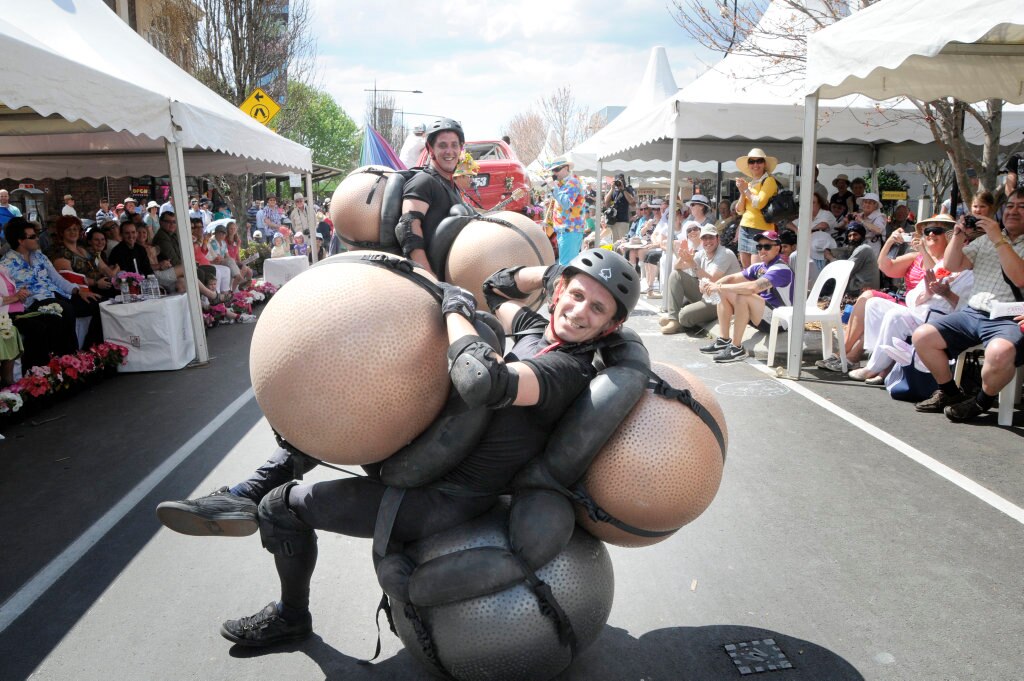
458, 300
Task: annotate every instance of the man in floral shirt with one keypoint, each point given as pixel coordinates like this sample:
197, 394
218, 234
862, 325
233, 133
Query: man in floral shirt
569, 196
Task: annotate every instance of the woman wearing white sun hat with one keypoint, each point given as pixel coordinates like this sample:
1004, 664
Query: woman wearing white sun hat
755, 194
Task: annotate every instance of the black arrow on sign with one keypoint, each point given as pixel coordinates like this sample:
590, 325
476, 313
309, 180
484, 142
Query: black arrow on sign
258, 97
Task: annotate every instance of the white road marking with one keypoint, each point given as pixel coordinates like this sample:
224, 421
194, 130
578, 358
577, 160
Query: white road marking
959, 479
24, 597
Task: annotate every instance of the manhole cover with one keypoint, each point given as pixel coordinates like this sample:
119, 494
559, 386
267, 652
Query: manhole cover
753, 657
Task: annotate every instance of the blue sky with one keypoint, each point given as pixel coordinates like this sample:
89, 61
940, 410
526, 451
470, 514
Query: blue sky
482, 62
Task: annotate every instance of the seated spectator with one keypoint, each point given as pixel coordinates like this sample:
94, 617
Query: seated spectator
218, 254
130, 255
96, 245
865, 269
11, 298
607, 236
873, 220
208, 272
151, 219
843, 196
170, 271
841, 216
280, 249
112, 233
659, 242
748, 297
688, 307
926, 253
299, 245
900, 220
68, 255
823, 222
997, 259
321, 252
234, 247
788, 239
32, 272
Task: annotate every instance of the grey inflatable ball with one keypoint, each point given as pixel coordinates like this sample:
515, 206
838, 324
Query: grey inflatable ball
504, 636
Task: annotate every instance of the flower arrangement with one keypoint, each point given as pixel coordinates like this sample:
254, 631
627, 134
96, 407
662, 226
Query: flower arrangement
60, 374
6, 327
130, 277
242, 302
53, 308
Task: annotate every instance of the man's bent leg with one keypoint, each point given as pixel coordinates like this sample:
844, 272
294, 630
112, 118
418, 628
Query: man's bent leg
931, 348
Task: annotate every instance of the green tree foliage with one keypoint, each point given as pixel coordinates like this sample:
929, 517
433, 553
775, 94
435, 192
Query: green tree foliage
888, 181
321, 125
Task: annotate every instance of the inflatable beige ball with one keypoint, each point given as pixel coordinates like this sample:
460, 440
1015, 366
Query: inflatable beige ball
348, 361
661, 468
486, 246
354, 218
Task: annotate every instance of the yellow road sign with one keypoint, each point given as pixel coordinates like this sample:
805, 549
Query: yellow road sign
260, 106
894, 196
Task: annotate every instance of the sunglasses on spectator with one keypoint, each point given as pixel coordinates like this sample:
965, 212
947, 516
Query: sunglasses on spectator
755, 160
765, 247
934, 231
30, 236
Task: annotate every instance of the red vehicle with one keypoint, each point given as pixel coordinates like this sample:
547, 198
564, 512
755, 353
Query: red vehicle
501, 173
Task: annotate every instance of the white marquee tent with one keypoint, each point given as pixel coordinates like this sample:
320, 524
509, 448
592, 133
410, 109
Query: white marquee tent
85, 96
969, 49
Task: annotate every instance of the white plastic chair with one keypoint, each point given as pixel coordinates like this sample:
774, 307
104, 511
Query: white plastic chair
831, 318
1008, 396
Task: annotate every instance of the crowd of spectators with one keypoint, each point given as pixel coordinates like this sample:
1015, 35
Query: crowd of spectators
931, 283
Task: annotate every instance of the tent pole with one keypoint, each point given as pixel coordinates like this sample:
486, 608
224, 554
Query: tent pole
808, 161
176, 165
718, 192
598, 200
666, 258
309, 206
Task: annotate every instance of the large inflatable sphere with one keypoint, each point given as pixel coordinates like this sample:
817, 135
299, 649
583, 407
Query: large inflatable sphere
486, 245
348, 361
661, 468
356, 205
504, 636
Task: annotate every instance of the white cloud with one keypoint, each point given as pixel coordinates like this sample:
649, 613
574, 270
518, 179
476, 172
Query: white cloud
483, 62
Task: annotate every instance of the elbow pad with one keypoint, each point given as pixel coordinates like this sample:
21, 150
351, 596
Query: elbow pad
408, 239
501, 287
479, 375
551, 276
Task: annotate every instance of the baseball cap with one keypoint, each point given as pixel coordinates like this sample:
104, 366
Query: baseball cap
708, 230
770, 235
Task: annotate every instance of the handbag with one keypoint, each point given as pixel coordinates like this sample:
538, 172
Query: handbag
782, 207
907, 383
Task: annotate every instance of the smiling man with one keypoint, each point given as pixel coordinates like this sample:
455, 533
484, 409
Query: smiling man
748, 297
429, 195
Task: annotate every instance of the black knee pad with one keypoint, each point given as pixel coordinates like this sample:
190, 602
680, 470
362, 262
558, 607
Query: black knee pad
281, 531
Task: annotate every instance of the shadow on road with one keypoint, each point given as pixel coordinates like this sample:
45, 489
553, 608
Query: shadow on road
671, 654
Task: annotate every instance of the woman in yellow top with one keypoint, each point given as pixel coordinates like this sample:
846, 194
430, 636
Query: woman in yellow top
755, 194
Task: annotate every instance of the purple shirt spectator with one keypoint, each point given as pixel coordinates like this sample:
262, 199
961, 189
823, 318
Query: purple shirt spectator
779, 276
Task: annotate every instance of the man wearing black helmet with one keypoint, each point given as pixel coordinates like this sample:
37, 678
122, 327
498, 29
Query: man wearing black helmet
529, 390
428, 196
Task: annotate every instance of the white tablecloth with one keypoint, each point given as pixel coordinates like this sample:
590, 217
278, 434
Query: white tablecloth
278, 271
158, 332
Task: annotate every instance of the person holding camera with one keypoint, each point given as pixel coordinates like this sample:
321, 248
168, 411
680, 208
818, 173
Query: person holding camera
620, 200
997, 259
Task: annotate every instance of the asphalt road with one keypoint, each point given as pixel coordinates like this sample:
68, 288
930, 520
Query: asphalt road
892, 555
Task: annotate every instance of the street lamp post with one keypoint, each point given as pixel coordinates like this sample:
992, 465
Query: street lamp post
375, 90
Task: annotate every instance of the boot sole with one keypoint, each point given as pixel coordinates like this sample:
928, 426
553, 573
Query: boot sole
184, 520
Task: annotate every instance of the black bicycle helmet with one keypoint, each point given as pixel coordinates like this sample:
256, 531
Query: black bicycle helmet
613, 272
442, 125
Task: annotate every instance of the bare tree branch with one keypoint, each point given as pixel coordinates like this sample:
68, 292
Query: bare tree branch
527, 132
563, 115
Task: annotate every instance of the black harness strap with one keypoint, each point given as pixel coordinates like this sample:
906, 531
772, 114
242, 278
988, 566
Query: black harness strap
384, 605
579, 495
663, 389
298, 456
386, 514
549, 606
425, 640
371, 245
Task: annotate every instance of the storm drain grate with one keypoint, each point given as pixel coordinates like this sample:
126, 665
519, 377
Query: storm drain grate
761, 655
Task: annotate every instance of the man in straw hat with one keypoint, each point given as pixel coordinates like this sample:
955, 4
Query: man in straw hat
755, 193
997, 259
843, 194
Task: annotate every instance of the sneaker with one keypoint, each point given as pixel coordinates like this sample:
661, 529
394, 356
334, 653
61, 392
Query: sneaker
671, 327
833, 363
939, 401
859, 374
716, 347
266, 628
965, 410
730, 354
218, 514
